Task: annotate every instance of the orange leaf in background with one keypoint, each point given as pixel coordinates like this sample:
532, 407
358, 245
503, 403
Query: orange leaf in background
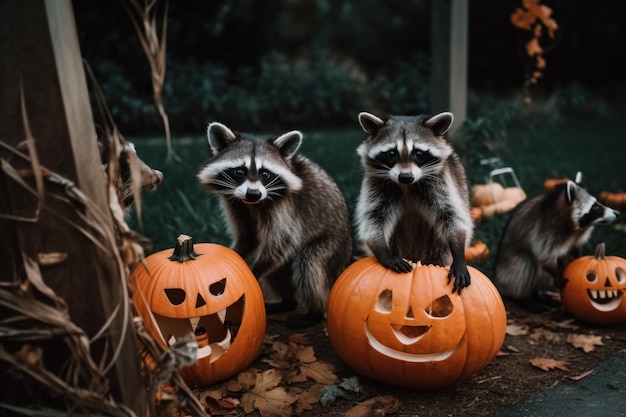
522, 19
541, 63
533, 48
550, 24
530, 4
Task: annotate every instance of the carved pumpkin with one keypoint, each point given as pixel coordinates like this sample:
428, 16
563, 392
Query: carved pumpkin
594, 288
410, 330
207, 289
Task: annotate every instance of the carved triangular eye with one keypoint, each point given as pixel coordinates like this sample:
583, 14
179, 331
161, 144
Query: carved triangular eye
218, 288
384, 303
441, 307
175, 295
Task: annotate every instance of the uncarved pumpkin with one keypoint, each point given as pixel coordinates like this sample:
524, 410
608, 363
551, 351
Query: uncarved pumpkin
207, 289
550, 183
594, 288
476, 252
613, 199
410, 330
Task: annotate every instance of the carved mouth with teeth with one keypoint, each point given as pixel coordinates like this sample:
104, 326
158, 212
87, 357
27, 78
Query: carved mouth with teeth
605, 300
214, 332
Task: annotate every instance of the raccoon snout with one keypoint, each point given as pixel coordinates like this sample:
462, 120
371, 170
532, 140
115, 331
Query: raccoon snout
156, 179
252, 196
405, 178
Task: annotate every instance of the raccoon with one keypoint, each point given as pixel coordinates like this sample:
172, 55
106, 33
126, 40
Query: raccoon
414, 199
148, 178
539, 237
286, 215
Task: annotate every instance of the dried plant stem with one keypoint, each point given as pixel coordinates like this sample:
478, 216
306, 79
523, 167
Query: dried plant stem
144, 20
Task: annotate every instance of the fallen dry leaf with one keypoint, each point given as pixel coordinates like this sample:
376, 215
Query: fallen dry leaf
374, 407
298, 364
300, 338
541, 333
307, 398
516, 329
585, 342
267, 397
547, 364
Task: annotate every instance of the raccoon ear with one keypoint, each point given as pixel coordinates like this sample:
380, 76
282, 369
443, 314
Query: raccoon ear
570, 191
370, 123
288, 143
219, 136
440, 123
579, 178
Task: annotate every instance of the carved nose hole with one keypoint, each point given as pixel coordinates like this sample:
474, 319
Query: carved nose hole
409, 314
200, 301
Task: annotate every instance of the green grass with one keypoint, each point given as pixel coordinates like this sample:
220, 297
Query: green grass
181, 205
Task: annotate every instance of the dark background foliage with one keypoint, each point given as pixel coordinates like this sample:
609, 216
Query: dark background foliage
260, 64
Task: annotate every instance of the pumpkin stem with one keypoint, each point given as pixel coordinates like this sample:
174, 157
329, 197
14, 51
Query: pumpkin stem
183, 250
600, 251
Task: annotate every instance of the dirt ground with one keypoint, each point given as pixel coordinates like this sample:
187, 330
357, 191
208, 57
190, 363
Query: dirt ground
508, 379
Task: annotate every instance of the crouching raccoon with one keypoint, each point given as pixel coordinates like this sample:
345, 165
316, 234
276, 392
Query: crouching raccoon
539, 238
286, 215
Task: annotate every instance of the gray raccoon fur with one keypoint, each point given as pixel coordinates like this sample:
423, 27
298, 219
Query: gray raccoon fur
414, 199
286, 215
541, 234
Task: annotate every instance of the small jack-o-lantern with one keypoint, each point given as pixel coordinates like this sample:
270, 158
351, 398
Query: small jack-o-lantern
209, 290
411, 330
594, 288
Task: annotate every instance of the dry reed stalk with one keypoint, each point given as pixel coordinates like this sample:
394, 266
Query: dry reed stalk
32, 321
144, 18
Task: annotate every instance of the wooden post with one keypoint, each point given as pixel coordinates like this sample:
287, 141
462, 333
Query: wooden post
40, 55
449, 58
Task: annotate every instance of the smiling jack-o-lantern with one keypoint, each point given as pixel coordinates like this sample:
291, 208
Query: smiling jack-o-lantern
594, 288
409, 329
209, 290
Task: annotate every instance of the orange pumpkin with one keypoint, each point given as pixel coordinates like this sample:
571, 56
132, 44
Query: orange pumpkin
550, 183
478, 251
485, 194
492, 198
594, 288
613, 199
410, 330
207, 289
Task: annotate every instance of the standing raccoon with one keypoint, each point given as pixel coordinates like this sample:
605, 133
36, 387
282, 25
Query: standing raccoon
414, 200
539, 236
286, 215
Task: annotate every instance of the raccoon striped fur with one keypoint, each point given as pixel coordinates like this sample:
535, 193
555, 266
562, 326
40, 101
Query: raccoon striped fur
414, 199
286, 215
541, 235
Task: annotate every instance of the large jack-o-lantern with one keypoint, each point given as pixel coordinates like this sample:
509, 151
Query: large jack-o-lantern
410, 330
209, 290
594, 288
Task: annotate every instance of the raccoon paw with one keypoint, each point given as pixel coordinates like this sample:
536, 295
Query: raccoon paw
300, 321
395, 263
462, 278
